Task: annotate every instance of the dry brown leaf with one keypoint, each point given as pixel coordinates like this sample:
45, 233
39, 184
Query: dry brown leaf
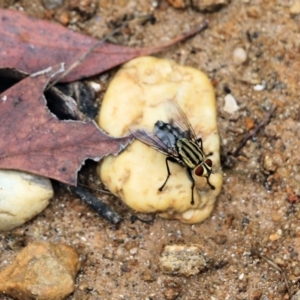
32, 139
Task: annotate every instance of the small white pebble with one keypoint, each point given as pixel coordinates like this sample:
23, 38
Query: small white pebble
133, 251
230, 105
4, 98
159, 281
95, 86
23, 196
239, 56
260, 87
241, 277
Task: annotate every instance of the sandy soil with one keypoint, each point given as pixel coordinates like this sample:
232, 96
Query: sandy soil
258, 209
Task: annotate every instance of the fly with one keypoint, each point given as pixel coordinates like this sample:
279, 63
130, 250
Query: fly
177, 140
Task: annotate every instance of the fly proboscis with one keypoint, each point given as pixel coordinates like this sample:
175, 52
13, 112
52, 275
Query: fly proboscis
177, 140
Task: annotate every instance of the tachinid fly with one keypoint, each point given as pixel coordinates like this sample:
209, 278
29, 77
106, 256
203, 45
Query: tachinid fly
177, 140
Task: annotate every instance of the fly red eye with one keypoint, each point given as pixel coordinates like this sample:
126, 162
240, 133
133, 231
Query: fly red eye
208, 162
199, 171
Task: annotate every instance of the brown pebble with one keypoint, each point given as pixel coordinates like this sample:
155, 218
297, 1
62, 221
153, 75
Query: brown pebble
83, 286
43, 271
249, 123
296, 271
256, 295
292, 198
276, 216
274, 237
242, 158
64, 18
172, 289
292, 277
48, 14
220, 239
279, 261
281, 287
253, 12
177, 3
148, 275
228, 221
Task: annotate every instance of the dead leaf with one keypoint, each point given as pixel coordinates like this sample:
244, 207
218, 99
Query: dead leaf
32, 139
30, 45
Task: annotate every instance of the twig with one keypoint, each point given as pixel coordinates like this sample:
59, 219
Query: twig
253, 132
271, 263
182, 37
94, 189
84, 56
100, 207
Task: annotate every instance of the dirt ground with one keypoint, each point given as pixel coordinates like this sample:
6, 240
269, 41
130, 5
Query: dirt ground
253, 233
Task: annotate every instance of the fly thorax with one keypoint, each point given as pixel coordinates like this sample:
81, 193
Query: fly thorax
190, 153
167, 133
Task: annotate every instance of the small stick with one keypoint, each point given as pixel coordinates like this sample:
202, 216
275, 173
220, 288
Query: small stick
271, 263
100, 207
94, 189
253, 132
83, 57
182, 37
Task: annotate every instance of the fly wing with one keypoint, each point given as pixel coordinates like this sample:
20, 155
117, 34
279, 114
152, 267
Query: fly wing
153, 141
178, 118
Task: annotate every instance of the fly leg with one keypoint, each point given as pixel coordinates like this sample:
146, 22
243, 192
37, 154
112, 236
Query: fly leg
168, 158
199, 141
207, 179
189, 173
